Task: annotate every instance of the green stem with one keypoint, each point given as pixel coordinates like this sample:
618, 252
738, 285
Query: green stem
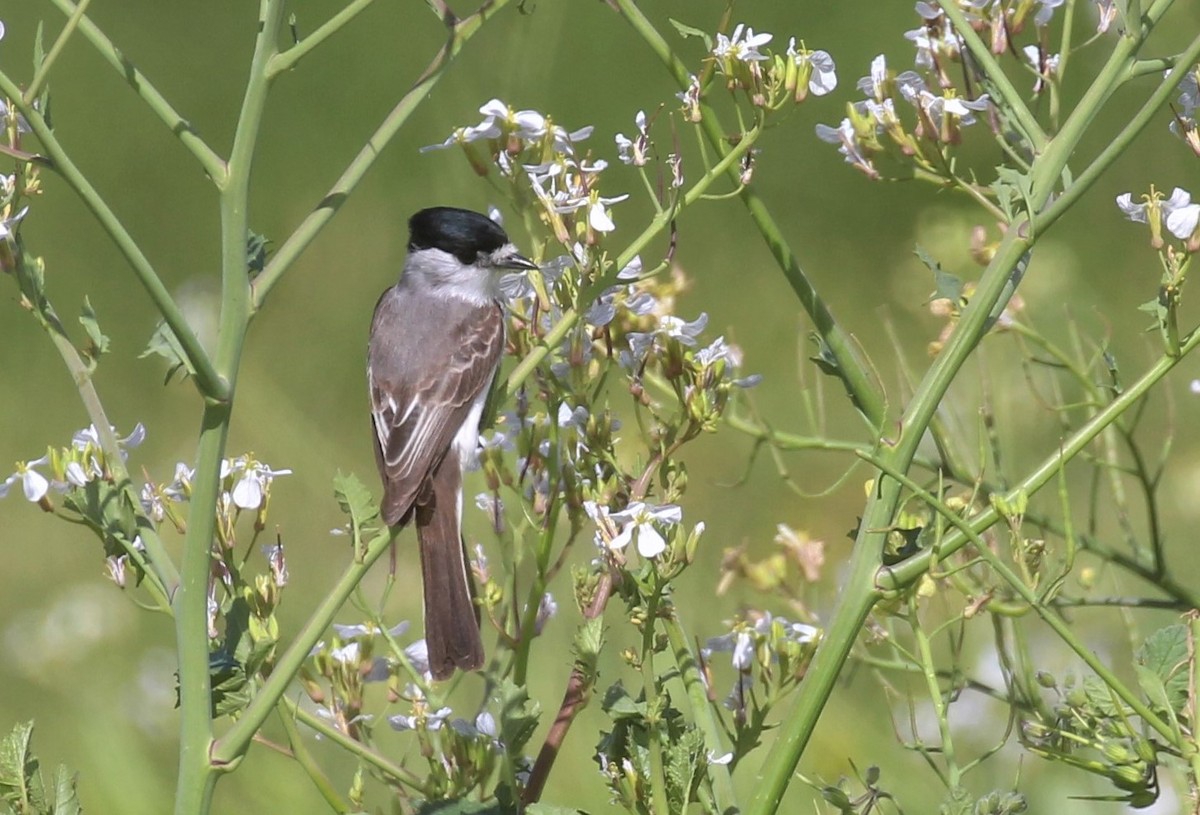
896, 577
181, 127
1060, 627
208, 381
1009, 97
197, 776
287, 60
940, 709
853, 369
43, 72
355, 748
654, 720
1120, 143
304, 235
702, 714
233, 744
308, 763
197, 769
160, 569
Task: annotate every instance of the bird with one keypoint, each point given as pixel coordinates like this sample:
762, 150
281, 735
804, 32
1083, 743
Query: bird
436, 342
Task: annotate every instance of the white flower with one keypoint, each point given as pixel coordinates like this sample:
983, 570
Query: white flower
1042, 18
348, 655
845, 136
1181, 214
432, 721
824, 72
734, 47
637, 522
34, 484
252, 480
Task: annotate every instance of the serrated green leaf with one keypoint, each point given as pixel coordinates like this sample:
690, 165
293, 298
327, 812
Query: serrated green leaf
20, 776
518, 715
1163, 657
66, 797
356, 501
686, 760
163, 343
686, 31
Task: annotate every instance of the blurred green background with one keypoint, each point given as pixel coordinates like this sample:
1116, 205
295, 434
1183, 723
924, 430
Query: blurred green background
96, 674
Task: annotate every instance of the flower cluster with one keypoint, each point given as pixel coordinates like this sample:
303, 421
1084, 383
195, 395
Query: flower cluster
78, 465
543, 162
763, 648
939, 119
769, 80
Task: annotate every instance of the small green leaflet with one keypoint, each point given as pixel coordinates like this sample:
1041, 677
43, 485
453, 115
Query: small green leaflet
163, 343
98, 343
686, 31
946, 286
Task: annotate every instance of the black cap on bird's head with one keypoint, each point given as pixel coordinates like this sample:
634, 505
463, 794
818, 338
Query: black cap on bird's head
462, 233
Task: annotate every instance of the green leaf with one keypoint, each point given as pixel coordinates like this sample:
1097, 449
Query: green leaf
548, 809
946, 286
256, 254
1162, 663
686, 761
20, 777
98, 343
39, 57
163, 343
356, 501
620, 705
518, 715
66, 797
686, 31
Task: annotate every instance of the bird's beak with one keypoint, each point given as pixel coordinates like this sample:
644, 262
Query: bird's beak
515, 261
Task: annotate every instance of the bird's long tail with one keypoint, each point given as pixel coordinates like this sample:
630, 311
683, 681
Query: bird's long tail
451, 616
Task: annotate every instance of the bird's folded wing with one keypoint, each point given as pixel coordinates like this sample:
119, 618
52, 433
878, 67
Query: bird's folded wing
423, 384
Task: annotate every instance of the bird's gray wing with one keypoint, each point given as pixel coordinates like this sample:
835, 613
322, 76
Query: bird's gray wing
430, 358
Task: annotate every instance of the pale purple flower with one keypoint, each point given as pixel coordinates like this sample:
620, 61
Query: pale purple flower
547, 608
1181, 215
849, 145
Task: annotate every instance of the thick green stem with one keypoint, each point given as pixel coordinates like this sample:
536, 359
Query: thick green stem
197, 770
